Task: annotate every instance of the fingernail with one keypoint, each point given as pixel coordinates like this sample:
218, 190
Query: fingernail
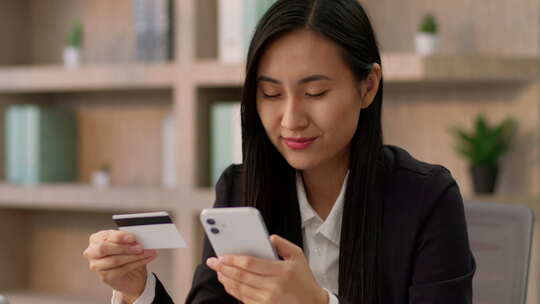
136, 248
211, 262
129, 238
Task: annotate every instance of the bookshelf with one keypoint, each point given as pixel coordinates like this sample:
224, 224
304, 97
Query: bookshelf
120, 103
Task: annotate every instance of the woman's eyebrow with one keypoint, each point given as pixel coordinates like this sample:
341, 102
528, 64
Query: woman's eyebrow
310, 78
268, 79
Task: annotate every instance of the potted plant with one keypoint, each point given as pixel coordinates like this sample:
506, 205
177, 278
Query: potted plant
482, 148
427, 39
102, 178
72, 51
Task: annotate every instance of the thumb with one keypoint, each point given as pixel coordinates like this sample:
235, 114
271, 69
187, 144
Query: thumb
284, 248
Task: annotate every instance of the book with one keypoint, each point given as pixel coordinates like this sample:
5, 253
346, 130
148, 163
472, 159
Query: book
13, 138
230, 29
153, 24
237, 20
40, 145
169, 151
225, 137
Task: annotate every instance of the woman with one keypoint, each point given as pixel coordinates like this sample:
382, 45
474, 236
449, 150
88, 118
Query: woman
375, 225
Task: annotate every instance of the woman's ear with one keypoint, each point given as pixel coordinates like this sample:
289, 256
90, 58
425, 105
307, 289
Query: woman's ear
370, 85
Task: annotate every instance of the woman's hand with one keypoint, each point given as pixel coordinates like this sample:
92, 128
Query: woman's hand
119, 261
253, 280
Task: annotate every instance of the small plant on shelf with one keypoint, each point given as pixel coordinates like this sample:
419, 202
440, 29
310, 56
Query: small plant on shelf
72, 51
427, 38
483, 148
102, 178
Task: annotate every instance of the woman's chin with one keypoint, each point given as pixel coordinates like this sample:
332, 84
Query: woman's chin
301, 162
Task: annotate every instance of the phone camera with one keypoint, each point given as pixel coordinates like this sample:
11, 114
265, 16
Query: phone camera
211, 221
214, 230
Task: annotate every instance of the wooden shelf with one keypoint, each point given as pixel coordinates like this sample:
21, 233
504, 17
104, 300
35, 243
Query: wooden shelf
410, 67
402, 68
28, 79
214, 73
398, 67
206, 195
87, 198
503, 199
31, 297
531, 202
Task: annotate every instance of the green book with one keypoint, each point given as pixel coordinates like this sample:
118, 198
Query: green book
13, 157
225, 137
40, 145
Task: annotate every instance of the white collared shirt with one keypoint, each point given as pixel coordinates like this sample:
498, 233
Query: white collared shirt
321, 245
322, 238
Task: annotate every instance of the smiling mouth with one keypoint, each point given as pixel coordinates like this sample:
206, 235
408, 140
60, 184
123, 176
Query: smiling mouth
298, 143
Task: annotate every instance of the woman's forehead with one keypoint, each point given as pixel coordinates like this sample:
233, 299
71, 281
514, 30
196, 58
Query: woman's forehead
301, 53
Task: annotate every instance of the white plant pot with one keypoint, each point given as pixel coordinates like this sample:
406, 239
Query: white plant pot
3, 300
426, 44
101, 179
71, 57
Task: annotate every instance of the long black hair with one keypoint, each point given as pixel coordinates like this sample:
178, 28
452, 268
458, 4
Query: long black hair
269, 181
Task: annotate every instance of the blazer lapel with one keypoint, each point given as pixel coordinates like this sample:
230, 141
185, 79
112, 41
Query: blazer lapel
290, 222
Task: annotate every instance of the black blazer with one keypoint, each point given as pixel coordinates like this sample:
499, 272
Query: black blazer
425, 257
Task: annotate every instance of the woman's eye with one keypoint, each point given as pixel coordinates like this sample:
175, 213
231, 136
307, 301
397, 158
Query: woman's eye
271, 95
317, 94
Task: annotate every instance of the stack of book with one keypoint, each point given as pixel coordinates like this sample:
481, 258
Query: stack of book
40, 144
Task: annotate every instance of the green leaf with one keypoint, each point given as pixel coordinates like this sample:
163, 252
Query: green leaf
429, 24
75, 35
485, 145
463, 135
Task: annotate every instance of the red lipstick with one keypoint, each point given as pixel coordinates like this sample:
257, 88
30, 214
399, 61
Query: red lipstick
299, 143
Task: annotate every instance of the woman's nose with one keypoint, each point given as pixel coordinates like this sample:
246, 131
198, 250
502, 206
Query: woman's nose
294, 115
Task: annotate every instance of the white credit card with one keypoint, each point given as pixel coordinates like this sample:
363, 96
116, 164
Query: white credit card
153, 230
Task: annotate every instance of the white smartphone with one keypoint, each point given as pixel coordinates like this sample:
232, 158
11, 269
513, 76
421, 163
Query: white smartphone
238, 230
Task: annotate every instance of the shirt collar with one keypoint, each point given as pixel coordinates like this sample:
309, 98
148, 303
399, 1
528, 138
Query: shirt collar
331, 227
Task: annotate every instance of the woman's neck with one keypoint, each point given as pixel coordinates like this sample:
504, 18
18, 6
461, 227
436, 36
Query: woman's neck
323, 184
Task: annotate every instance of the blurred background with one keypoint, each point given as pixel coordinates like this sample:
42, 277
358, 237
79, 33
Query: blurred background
132, 105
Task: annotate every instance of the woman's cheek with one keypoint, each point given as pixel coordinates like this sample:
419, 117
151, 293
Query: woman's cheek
269, 114
269, 119
338, 121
